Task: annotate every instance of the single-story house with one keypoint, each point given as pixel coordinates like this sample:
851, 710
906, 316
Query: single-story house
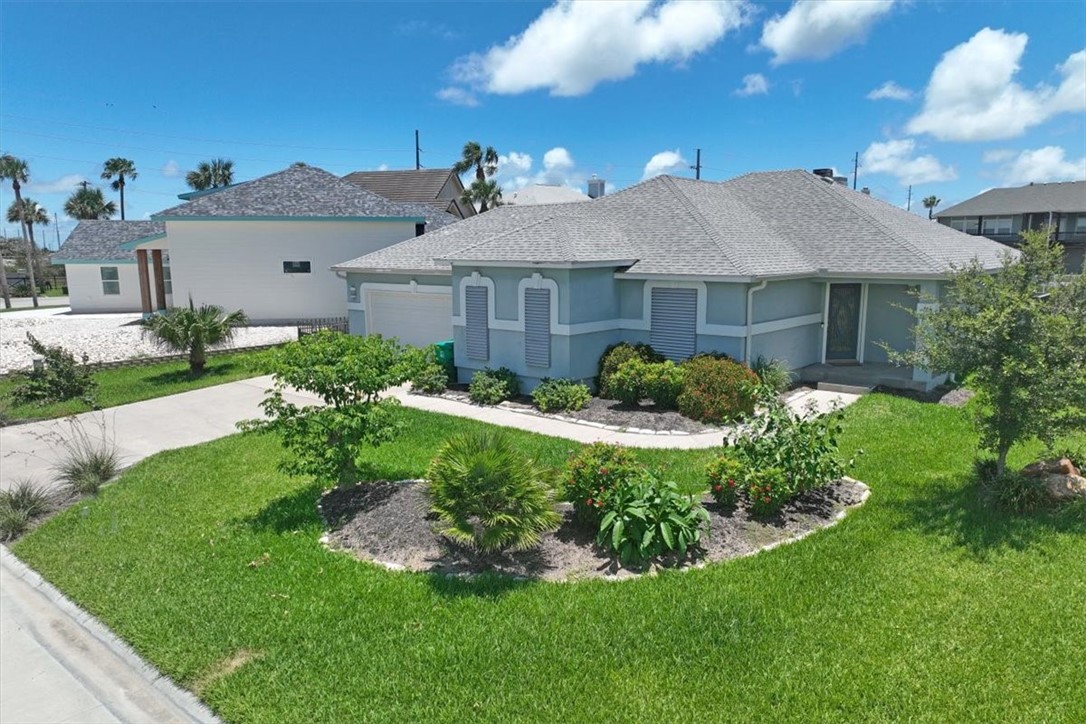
438, 187
265, 246
786, 265
103, 275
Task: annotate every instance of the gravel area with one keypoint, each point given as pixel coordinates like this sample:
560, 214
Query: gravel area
103, 337
388, 523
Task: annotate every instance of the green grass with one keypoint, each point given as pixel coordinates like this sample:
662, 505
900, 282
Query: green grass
924, 604
132, 384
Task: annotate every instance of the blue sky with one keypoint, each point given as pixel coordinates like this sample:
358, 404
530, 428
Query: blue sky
983, 94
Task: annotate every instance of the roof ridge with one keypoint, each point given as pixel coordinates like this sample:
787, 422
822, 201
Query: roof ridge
708, 228
514, 230
765, 224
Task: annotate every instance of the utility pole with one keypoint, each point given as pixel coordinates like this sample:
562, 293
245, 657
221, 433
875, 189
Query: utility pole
56, 226
418, 162
855, 169
909, 203
697, 166
84, 184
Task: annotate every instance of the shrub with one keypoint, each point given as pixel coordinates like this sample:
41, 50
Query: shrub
725, 477
664, 383
489, 495
427, 374
557, 394
1019, 493
87, 461
490, 386
772, 373
26, 495
13, 522
59, 378
193, 330
716, 390
593, 473
614, 356
768, 489
349, 373
644, 518
627, 383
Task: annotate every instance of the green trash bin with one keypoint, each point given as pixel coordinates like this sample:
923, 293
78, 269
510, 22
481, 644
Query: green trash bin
443, 352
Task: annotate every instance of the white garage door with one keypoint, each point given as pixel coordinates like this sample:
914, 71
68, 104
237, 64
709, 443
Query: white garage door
416, 319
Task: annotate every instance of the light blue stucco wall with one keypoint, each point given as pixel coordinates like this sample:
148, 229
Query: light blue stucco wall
356, 321
790, 298
886, 322
725, 303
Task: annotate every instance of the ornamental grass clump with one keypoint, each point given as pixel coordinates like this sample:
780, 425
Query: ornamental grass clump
88, 460
20, 504
488, 495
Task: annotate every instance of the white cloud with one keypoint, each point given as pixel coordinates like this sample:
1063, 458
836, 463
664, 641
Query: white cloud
896, 157
514, 163
573, 46
458, 96
559, 169
972, 96
383, 167
664, 162
817, 29
890, 91
171, 169
998, 155
753, 84
1039, 165
64, 184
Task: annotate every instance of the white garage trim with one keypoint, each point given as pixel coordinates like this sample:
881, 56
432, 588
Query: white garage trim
427, 313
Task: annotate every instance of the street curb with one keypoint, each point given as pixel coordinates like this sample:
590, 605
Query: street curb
184, 700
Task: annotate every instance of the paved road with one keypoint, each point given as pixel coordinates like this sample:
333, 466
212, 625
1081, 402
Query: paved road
28, 303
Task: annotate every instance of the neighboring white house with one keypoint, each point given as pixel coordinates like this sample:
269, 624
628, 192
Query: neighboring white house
266, 246
536, 194
103, 276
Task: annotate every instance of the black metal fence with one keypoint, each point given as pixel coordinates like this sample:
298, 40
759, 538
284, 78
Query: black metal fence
310, 326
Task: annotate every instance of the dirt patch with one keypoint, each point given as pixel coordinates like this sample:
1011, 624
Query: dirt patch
223, 668
388, 523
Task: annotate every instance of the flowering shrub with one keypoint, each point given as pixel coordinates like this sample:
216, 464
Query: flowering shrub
768, 489
725, 478
593, 474
558, 394
645, 518
489, 387
716, 389
613, 358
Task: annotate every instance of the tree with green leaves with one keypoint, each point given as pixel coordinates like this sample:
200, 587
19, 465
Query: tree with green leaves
1018, 336
194, 330
482, 192
89, 203
930, 203
211, 174
17, 171
33, 213
119, 171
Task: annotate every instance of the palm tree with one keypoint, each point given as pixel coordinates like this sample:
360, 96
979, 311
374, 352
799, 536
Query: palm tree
487, 194
211, 174
123, 169
17, 171
89, 203
194, 330
930, 203
485, 164
33, 213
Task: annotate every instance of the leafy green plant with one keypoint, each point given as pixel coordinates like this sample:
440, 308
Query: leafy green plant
557, 394
627, 383
348, 373
427, 375
768, 489
194, 330
489, 386
614, 356
645, 518
1019, 493
87, 460
59, 377
593, 473
488, 495
772, 373
664, 383
725, 477
716, 389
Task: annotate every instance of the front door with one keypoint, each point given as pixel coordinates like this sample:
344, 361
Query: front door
843, 325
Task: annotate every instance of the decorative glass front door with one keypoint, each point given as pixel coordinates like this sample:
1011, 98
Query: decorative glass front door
843, 325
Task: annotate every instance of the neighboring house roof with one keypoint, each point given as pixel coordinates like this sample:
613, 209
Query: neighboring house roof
1066, 197
300, 192
416, 185
543, 194
772, 224
101, 240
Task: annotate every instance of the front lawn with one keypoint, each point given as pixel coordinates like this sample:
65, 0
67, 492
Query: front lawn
923, 604
131, 384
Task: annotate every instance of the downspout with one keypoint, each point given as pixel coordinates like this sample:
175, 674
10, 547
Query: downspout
750, 317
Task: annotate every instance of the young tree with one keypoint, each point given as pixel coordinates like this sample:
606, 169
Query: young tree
930, 203
123, 169
89, 203
193, 330
1019, 334
17, 171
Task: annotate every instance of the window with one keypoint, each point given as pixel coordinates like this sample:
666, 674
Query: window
968, 224
296, 267
475, 322
537, 327
167, 279
997, 225
1080, 224
674, 322
111, 280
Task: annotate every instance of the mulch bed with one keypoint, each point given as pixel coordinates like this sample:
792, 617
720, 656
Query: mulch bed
388, 523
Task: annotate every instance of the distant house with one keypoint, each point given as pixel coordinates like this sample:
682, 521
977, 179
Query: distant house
266, 245
785, 265
543, 194
103, 275
437, 187
1000, 214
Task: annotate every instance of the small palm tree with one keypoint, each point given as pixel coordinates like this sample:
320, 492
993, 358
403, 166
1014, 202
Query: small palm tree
17, 171
930, 203
123, 169
89, 203
194, 330
211, 174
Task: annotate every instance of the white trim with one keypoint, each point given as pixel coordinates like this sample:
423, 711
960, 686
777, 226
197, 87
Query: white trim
536, 264
778, 325
825, 320
492, 322
411, 287
861, 335
359, 306
538, 281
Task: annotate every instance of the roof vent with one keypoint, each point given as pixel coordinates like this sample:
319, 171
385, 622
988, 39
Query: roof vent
843, 180
866, 191
826, 173
596, 187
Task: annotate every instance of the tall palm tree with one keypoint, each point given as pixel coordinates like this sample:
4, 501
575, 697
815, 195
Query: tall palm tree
123, 170
89, 203
486, 193
17, 171
485, 162
194, 330
33, 213
211, 174
930, 203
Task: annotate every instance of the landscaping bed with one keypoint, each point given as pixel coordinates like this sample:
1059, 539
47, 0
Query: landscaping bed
387, 523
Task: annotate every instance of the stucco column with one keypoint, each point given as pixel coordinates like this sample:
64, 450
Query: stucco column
160, 281
145, 282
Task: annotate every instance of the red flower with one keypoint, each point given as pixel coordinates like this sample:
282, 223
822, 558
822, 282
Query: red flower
731, 483
718, 487
588, 502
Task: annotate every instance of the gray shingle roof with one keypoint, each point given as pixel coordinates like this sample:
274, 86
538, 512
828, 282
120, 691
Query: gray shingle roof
776, 223
420, 185
94, 240
302, 191
1066, 197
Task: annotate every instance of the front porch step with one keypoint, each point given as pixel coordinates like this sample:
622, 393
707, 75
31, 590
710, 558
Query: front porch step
844, 389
